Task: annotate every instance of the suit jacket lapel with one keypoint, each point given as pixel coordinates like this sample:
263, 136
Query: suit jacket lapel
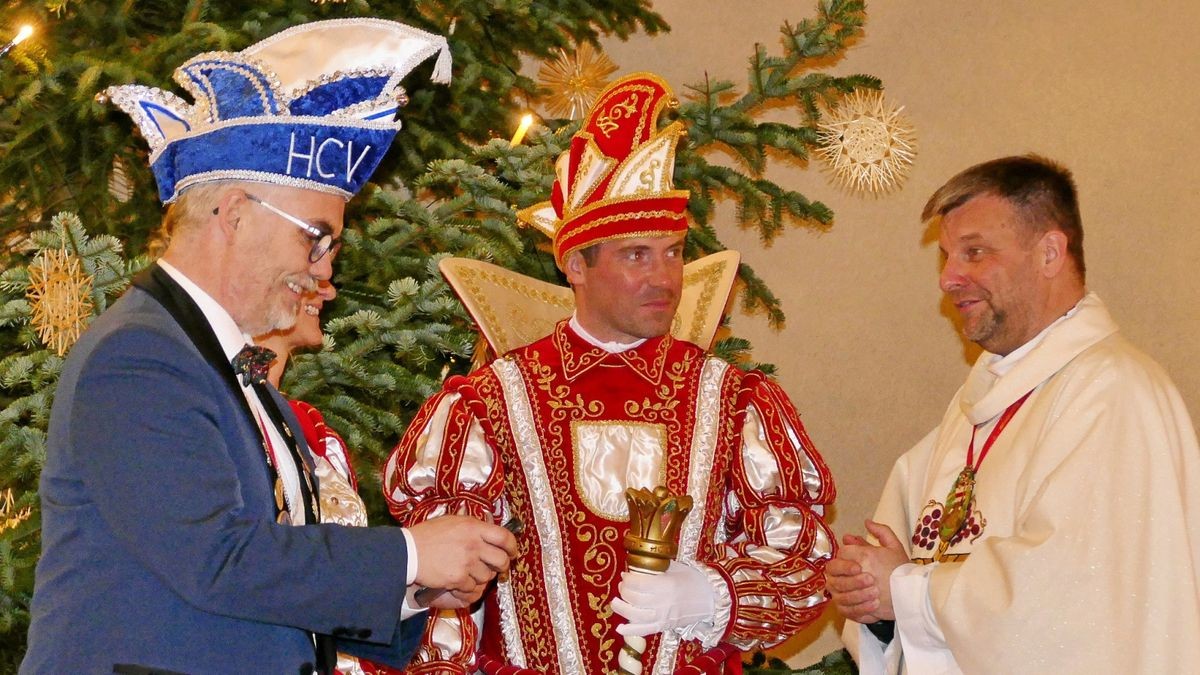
187, 314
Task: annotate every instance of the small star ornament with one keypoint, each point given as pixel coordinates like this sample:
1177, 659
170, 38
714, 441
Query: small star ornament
10, 516
867, 143
575, 79
59, 295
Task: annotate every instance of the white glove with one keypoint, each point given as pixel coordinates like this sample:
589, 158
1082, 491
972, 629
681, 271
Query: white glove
679, 598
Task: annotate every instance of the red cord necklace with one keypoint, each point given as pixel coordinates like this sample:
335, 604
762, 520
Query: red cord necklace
961, 498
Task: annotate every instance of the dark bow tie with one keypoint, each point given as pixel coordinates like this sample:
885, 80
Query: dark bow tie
252, 363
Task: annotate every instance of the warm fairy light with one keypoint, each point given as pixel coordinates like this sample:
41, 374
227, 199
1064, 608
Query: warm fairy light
526, 122
22, 34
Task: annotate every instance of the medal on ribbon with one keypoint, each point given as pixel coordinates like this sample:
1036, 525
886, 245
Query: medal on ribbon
960, 501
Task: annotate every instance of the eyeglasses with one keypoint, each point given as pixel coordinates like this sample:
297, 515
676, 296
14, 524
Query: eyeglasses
323, 242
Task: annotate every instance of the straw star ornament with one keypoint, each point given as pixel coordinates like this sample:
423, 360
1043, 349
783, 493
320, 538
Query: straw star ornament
575, 79
867, 143
60, 296
10, 516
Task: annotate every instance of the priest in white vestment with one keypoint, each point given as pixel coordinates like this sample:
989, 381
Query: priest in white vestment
1051, 522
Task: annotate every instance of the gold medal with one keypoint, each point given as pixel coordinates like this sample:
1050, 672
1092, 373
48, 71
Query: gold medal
958, 505
961, 498
284, 517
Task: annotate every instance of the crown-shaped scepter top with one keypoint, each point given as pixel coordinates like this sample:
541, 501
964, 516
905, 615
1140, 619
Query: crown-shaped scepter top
655, 518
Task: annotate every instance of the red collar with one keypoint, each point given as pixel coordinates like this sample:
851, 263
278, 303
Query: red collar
648, 359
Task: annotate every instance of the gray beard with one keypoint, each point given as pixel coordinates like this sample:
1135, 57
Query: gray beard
990, 328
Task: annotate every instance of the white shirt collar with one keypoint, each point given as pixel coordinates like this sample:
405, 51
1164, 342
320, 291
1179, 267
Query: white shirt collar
231, 337
1002, 364
610, 347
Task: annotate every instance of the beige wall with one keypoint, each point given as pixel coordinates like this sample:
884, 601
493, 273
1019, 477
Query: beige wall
1108, 88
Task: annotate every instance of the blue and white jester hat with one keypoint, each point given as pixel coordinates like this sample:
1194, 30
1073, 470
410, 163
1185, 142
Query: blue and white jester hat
312, 107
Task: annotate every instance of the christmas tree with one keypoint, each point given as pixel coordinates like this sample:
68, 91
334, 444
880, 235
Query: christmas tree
450, 187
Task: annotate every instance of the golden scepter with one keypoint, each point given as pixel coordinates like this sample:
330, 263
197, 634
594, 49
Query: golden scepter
652, 543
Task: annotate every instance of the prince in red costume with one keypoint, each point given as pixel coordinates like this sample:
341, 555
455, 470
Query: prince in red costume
554, 432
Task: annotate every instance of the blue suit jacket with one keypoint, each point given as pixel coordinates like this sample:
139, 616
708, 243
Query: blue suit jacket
160, 546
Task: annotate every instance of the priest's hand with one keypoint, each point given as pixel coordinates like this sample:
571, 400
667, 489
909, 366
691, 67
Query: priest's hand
858, 579
460, 554
680, 598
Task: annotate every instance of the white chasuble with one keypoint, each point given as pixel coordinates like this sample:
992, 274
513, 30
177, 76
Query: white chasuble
1083, 555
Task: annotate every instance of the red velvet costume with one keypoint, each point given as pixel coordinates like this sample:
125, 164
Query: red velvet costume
553, 433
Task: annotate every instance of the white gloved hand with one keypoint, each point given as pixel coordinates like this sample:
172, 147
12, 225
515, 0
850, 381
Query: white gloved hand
652, 603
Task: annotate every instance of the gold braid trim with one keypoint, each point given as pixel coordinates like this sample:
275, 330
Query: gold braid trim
626, 235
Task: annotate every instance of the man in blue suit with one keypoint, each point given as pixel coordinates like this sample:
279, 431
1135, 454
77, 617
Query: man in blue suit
181, 527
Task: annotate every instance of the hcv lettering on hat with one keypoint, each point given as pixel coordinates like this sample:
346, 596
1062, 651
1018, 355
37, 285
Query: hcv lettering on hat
317, 104
316, 154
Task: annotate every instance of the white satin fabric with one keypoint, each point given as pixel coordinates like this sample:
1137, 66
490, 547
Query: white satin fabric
476, 466
762, 469
339, 502
613, 456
